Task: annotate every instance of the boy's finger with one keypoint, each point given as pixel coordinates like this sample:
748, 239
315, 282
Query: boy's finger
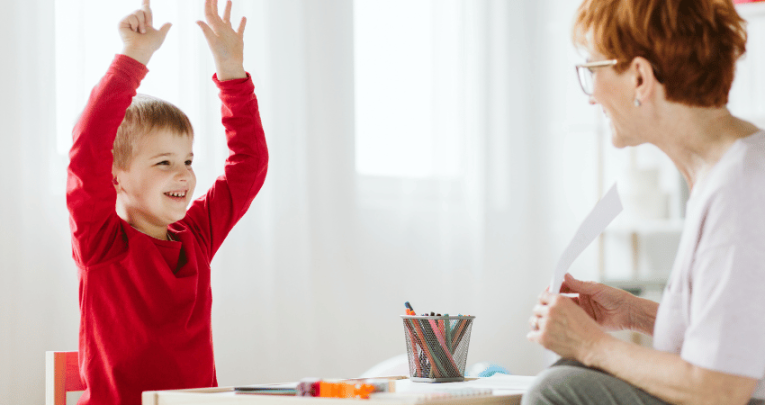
207, 7
146, 4
141, 21
227, 13
206, 30
242, 23
148, 18
164, 29
211, 11
132, 21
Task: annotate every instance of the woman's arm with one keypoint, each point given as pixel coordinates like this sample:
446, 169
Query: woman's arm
565, 328
643, 315
666, 375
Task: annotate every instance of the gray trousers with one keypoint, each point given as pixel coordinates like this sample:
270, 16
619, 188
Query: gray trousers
570, 382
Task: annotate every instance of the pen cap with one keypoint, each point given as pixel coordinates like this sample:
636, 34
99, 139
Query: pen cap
437, 347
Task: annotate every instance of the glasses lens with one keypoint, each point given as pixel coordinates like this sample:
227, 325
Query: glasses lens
585, 79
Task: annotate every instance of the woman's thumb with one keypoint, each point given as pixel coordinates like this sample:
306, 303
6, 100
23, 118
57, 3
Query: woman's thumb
572, 285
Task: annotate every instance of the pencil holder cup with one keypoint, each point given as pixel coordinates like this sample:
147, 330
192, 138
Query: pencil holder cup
437, 347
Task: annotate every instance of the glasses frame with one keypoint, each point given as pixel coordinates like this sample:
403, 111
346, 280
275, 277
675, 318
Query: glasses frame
591, 66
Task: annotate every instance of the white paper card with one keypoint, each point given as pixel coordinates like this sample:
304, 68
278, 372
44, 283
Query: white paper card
604, 212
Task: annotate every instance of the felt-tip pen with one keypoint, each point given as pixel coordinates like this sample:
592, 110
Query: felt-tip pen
409, 309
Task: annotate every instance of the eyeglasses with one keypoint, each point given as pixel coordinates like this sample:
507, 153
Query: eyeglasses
585, 70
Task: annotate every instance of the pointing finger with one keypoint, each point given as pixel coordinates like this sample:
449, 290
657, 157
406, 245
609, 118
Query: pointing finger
148, 19
146, 4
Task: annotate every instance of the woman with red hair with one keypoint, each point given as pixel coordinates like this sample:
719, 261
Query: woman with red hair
661, 70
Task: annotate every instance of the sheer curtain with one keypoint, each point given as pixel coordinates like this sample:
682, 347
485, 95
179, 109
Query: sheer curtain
312, 280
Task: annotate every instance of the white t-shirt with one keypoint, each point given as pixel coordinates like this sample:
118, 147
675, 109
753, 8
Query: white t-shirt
713, 309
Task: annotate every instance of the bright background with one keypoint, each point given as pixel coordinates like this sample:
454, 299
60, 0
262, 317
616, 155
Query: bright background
435, 151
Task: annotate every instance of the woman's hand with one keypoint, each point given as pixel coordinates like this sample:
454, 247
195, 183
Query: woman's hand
560, 325
610, 307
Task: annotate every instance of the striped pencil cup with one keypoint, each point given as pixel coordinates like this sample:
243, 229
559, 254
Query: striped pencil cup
437, 347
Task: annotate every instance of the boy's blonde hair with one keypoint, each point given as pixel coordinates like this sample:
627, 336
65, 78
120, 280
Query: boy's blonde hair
144, 115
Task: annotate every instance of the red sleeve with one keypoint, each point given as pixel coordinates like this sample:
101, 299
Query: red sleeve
213, 215
90, 194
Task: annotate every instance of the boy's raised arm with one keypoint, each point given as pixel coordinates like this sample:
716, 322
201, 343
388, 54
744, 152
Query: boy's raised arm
226, 45
228, 199
91, 194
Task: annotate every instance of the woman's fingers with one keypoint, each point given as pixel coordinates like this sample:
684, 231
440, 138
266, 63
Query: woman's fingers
546, 297
533, 322
540, 310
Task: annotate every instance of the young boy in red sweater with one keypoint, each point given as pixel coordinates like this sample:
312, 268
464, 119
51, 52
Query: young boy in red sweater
143, 257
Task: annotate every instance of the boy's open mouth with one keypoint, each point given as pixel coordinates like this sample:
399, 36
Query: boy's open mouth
176, 194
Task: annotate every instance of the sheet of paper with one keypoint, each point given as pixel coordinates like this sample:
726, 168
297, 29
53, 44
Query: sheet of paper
604, 212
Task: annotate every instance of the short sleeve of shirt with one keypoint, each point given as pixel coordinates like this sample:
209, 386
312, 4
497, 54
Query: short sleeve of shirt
726, 330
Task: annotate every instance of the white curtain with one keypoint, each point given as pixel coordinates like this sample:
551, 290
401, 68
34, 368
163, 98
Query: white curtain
312, 280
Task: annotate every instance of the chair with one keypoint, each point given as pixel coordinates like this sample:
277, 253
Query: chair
62, 376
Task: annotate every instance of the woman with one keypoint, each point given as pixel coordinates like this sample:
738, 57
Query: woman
662, 70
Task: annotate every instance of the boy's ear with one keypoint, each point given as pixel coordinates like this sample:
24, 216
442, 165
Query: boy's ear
115, 181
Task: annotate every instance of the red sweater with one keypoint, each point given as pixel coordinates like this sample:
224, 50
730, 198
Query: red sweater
145, 303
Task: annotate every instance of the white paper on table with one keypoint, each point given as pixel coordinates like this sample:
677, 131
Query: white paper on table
604, 212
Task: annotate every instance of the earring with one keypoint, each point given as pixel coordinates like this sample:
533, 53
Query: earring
636, 102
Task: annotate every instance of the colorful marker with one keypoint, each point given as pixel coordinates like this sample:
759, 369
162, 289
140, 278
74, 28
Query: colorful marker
409, 309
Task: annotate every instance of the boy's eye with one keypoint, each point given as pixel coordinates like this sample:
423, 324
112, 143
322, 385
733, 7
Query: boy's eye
164, 162
188, 163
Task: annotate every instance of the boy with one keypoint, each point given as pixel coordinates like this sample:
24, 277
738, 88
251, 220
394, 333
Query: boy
144, 260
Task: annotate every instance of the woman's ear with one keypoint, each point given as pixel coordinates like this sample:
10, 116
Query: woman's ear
645, 81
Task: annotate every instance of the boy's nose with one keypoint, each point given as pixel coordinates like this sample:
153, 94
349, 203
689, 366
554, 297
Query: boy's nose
184, 174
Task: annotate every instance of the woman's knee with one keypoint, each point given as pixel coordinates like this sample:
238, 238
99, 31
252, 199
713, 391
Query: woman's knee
561, 384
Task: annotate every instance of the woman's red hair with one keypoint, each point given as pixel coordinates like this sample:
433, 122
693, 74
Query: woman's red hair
693, 44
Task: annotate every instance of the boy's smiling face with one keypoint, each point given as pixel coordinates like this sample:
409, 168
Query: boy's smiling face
156, 188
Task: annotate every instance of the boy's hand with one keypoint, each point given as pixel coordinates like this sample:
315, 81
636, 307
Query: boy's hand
227, 45
139, 37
